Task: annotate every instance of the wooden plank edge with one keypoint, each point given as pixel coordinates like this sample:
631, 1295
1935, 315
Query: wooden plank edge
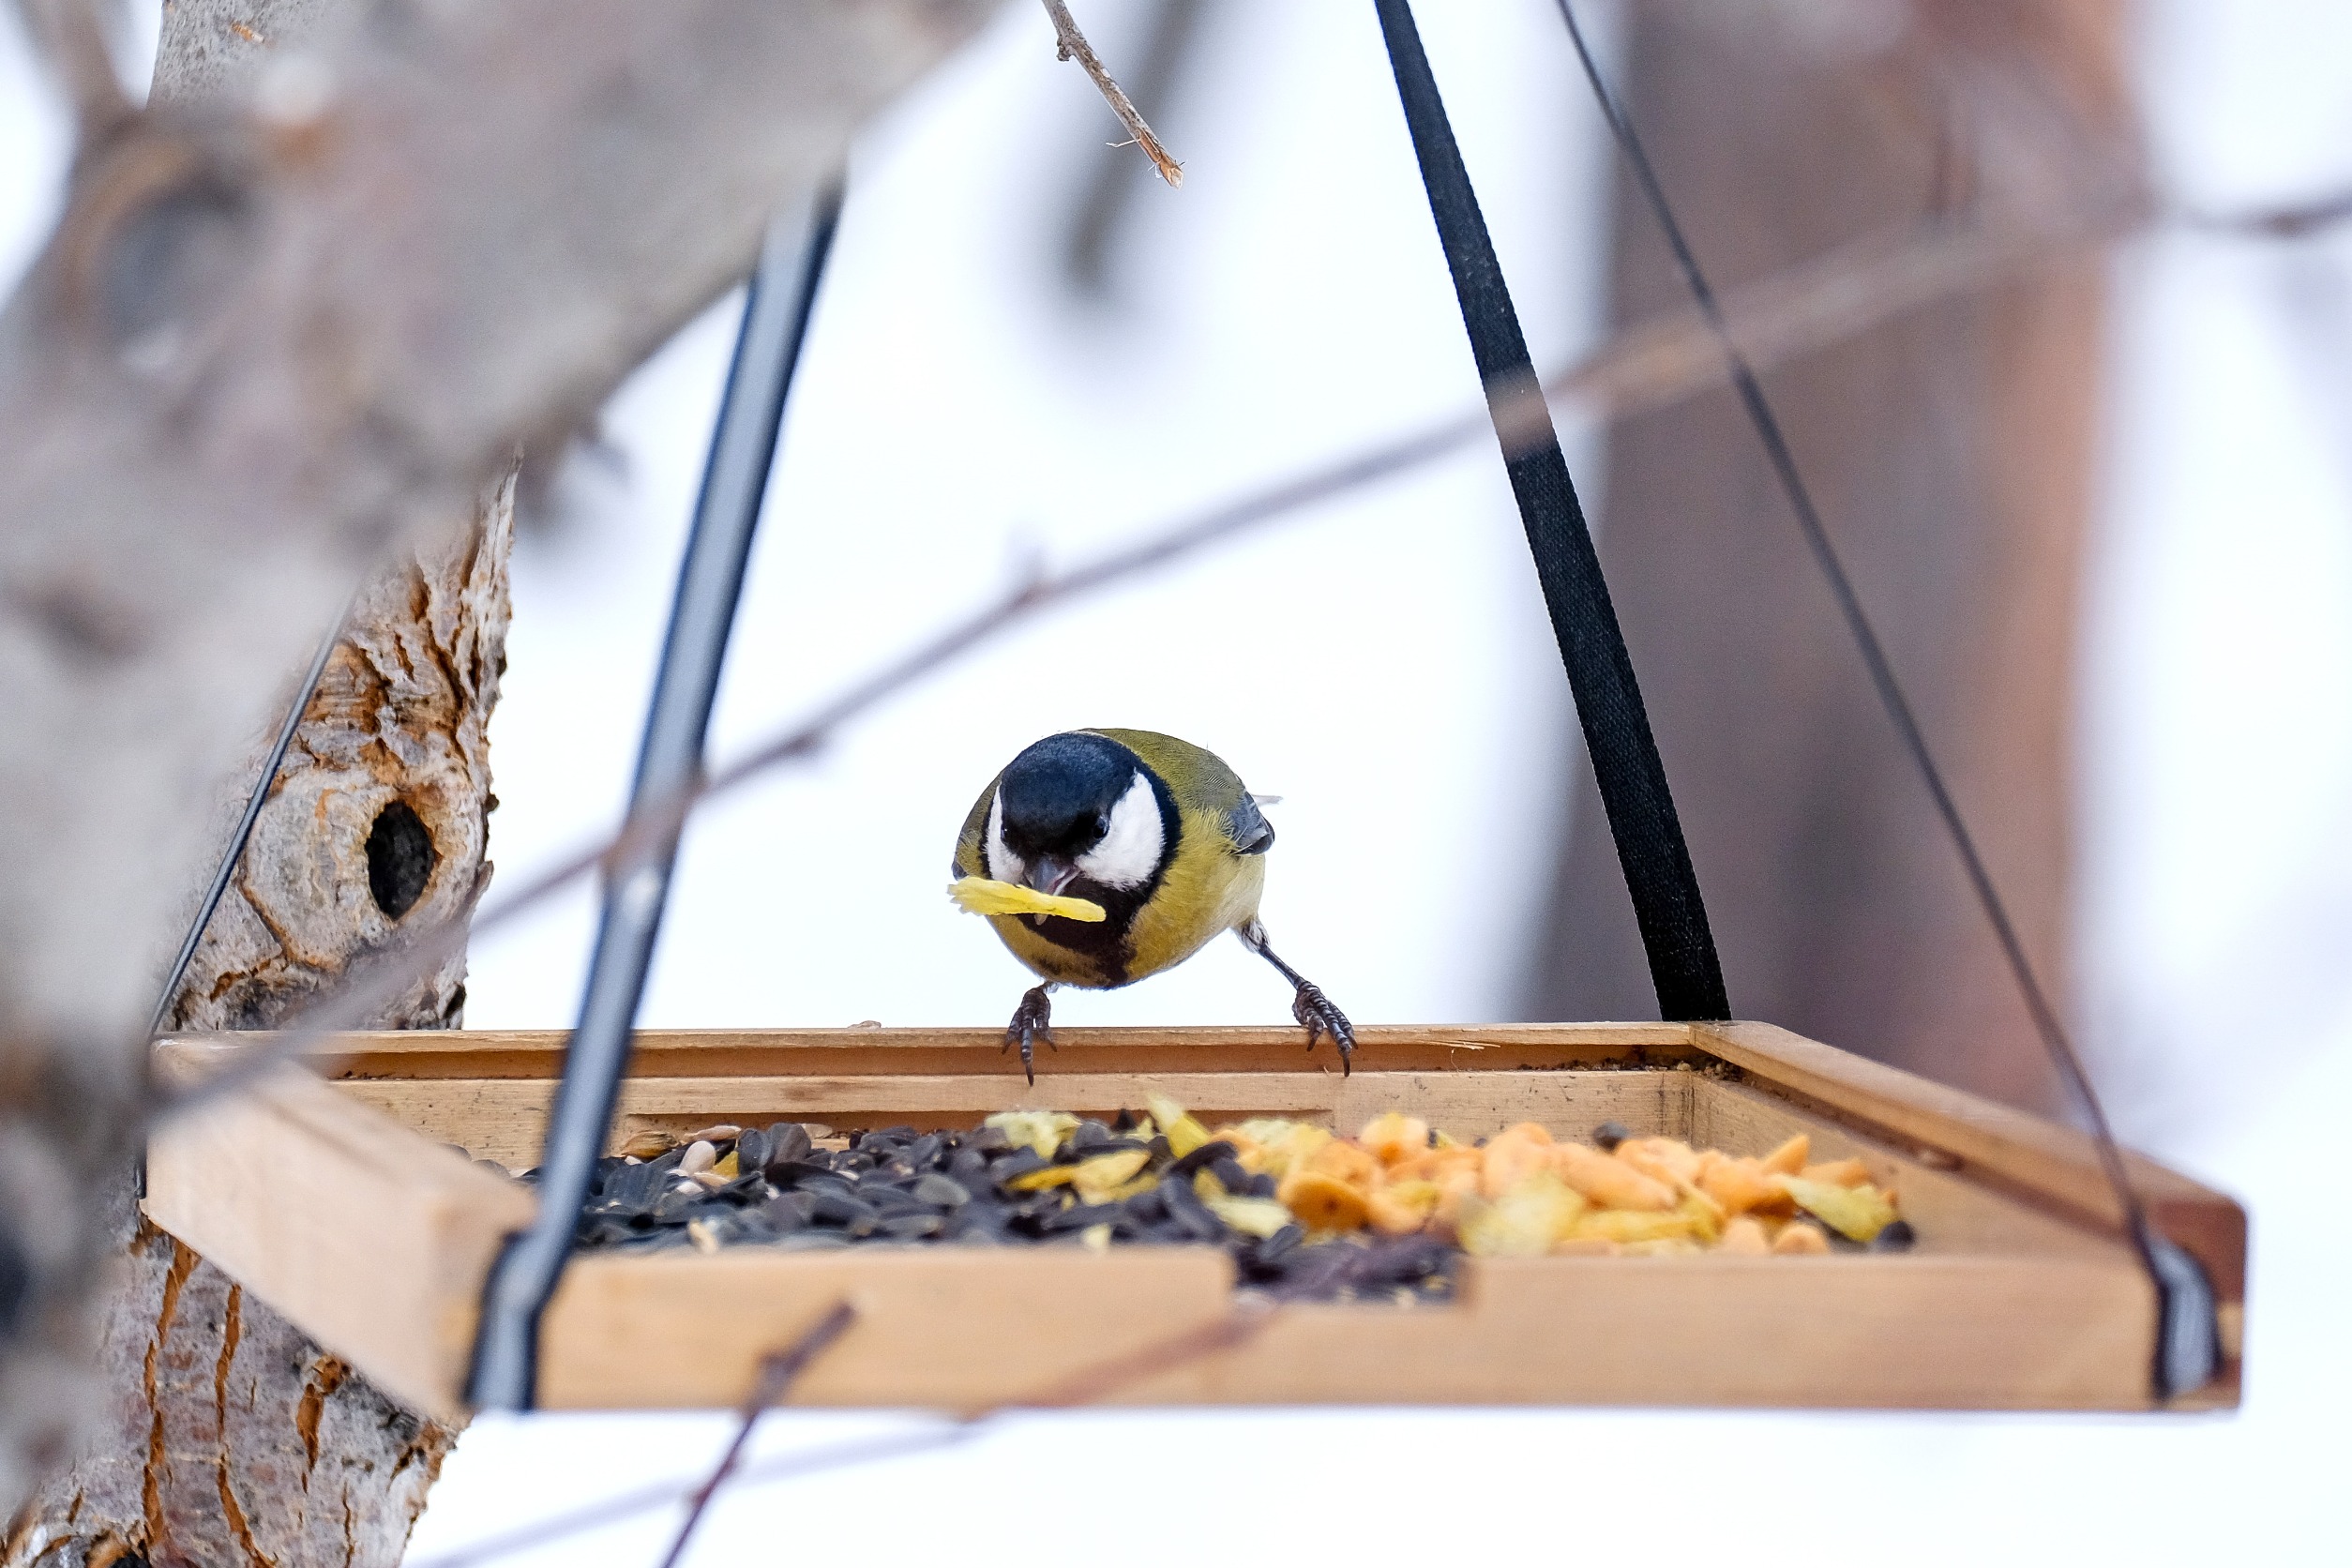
536, 1053
959, 1329
2041, 1160
371, 1240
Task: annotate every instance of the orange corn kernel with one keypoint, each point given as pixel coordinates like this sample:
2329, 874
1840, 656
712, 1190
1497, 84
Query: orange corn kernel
1322, 1202
1742, 1185
1401, 1207
1799, 1239
1394, 1137
1839, 1173
1790, 1158
1509, 1160
1662, 1159
1607, 1180
1744, 1238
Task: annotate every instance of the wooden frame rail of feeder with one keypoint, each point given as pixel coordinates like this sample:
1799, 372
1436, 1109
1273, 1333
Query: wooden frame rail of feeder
341, 1202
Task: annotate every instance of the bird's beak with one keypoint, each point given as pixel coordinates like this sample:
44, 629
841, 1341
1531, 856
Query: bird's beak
1051, 874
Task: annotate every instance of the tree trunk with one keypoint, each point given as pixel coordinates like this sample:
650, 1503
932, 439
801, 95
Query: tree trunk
230, 1439
1951, 455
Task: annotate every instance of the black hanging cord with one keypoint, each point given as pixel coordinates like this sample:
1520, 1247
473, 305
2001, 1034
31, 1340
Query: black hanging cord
1632, 783
2185, 1353
776, 316
234, 852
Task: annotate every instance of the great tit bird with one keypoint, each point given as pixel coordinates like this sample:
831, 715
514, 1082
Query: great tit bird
1104, 855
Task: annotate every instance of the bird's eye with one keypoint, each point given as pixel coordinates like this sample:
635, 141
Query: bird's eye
1102, 824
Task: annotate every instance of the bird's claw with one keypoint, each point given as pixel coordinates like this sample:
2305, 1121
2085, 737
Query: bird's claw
1314, 1010
1031, 1022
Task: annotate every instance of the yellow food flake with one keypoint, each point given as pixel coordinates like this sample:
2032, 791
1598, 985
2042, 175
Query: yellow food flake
1183, 1131
980, 896
1857, 1213
1039, 1131
1528, 1221
1252, 1216
1098, 1178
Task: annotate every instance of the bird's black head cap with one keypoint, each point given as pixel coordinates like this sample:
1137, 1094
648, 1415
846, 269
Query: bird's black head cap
1058, 794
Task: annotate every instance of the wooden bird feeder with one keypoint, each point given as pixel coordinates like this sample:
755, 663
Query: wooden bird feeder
340, 1201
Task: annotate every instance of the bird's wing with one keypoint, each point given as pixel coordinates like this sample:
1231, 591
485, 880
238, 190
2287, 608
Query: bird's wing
970, 861
1247, 827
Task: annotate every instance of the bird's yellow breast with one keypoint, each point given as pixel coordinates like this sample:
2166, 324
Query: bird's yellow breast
1207, 891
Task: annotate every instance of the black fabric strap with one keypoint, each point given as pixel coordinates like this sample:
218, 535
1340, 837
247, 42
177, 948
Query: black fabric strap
1666, 903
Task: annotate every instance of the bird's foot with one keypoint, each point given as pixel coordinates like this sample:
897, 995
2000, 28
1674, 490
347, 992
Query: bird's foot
1314, 1009
1033, 1021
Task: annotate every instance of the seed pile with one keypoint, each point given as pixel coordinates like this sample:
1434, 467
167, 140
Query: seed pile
1022, 1178
1303, 1212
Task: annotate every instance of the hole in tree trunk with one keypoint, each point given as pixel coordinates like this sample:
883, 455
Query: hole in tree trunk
400, 859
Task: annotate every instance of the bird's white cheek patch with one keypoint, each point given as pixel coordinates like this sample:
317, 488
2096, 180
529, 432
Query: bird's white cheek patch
1004, 864
1131, 845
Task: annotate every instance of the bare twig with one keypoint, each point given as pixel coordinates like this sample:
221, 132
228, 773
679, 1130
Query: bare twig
1098, 219
1074, 47
1776, 319
778, 1374
2297, 221
1087, 1386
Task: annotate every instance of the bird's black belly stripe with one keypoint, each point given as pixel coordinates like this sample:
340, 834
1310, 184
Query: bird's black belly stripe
1108, 944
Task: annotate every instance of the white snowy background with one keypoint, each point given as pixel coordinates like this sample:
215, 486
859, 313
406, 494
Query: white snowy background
1383, 663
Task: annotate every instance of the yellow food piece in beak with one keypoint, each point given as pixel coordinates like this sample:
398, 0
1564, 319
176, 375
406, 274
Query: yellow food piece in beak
979, 895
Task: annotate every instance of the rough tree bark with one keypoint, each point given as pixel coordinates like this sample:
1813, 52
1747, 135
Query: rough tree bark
274, 340
229, 1438
1951, 454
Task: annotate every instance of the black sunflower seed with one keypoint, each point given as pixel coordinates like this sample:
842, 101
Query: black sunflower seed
1078, 1216
943, 1191
790, 1210
1201, 1158
788, 1142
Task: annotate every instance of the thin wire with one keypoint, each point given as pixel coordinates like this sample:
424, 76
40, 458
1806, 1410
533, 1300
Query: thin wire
2054, 1040
234, 852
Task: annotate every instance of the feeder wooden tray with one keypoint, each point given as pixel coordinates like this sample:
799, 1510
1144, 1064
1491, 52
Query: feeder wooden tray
340, 1203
